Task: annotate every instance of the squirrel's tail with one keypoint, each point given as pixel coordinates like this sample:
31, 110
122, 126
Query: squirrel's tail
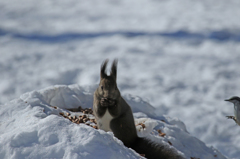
153, 150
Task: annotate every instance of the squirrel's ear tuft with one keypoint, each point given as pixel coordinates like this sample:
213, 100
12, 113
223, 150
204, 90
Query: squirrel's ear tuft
103, 69
114, 69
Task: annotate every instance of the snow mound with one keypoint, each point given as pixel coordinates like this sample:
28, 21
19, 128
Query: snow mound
31, 128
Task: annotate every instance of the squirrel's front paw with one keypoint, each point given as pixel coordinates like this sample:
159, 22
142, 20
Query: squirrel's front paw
105, 102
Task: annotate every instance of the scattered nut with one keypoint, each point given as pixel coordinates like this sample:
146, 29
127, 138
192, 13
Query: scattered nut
80, 120
143, 125
54, 107
169, 143
92, 120
95, 127
85, 120
161, 133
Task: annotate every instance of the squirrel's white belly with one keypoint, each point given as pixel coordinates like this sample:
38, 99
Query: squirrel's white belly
104, 121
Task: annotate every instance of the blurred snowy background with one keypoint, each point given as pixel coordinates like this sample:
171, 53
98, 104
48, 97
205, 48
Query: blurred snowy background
183, 57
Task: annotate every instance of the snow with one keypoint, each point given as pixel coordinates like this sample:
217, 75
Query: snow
32, 128
179, 59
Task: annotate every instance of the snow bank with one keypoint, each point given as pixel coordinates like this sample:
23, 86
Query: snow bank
31, 128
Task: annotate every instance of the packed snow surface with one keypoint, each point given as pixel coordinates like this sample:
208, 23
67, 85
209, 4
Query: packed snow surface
31, 128
181, 57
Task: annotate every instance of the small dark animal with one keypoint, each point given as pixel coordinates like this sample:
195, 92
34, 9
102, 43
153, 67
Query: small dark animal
114, 114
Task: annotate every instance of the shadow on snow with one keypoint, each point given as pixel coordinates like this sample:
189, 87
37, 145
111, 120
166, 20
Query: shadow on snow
220, 36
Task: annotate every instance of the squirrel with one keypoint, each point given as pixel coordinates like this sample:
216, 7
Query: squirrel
112, 113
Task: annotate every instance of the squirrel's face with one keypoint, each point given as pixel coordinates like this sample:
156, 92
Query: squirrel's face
108, 85
108, 88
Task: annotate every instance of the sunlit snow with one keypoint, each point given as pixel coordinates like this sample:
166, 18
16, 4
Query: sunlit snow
179, 59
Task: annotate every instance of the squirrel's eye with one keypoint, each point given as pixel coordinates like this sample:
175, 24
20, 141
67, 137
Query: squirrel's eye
102, 87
